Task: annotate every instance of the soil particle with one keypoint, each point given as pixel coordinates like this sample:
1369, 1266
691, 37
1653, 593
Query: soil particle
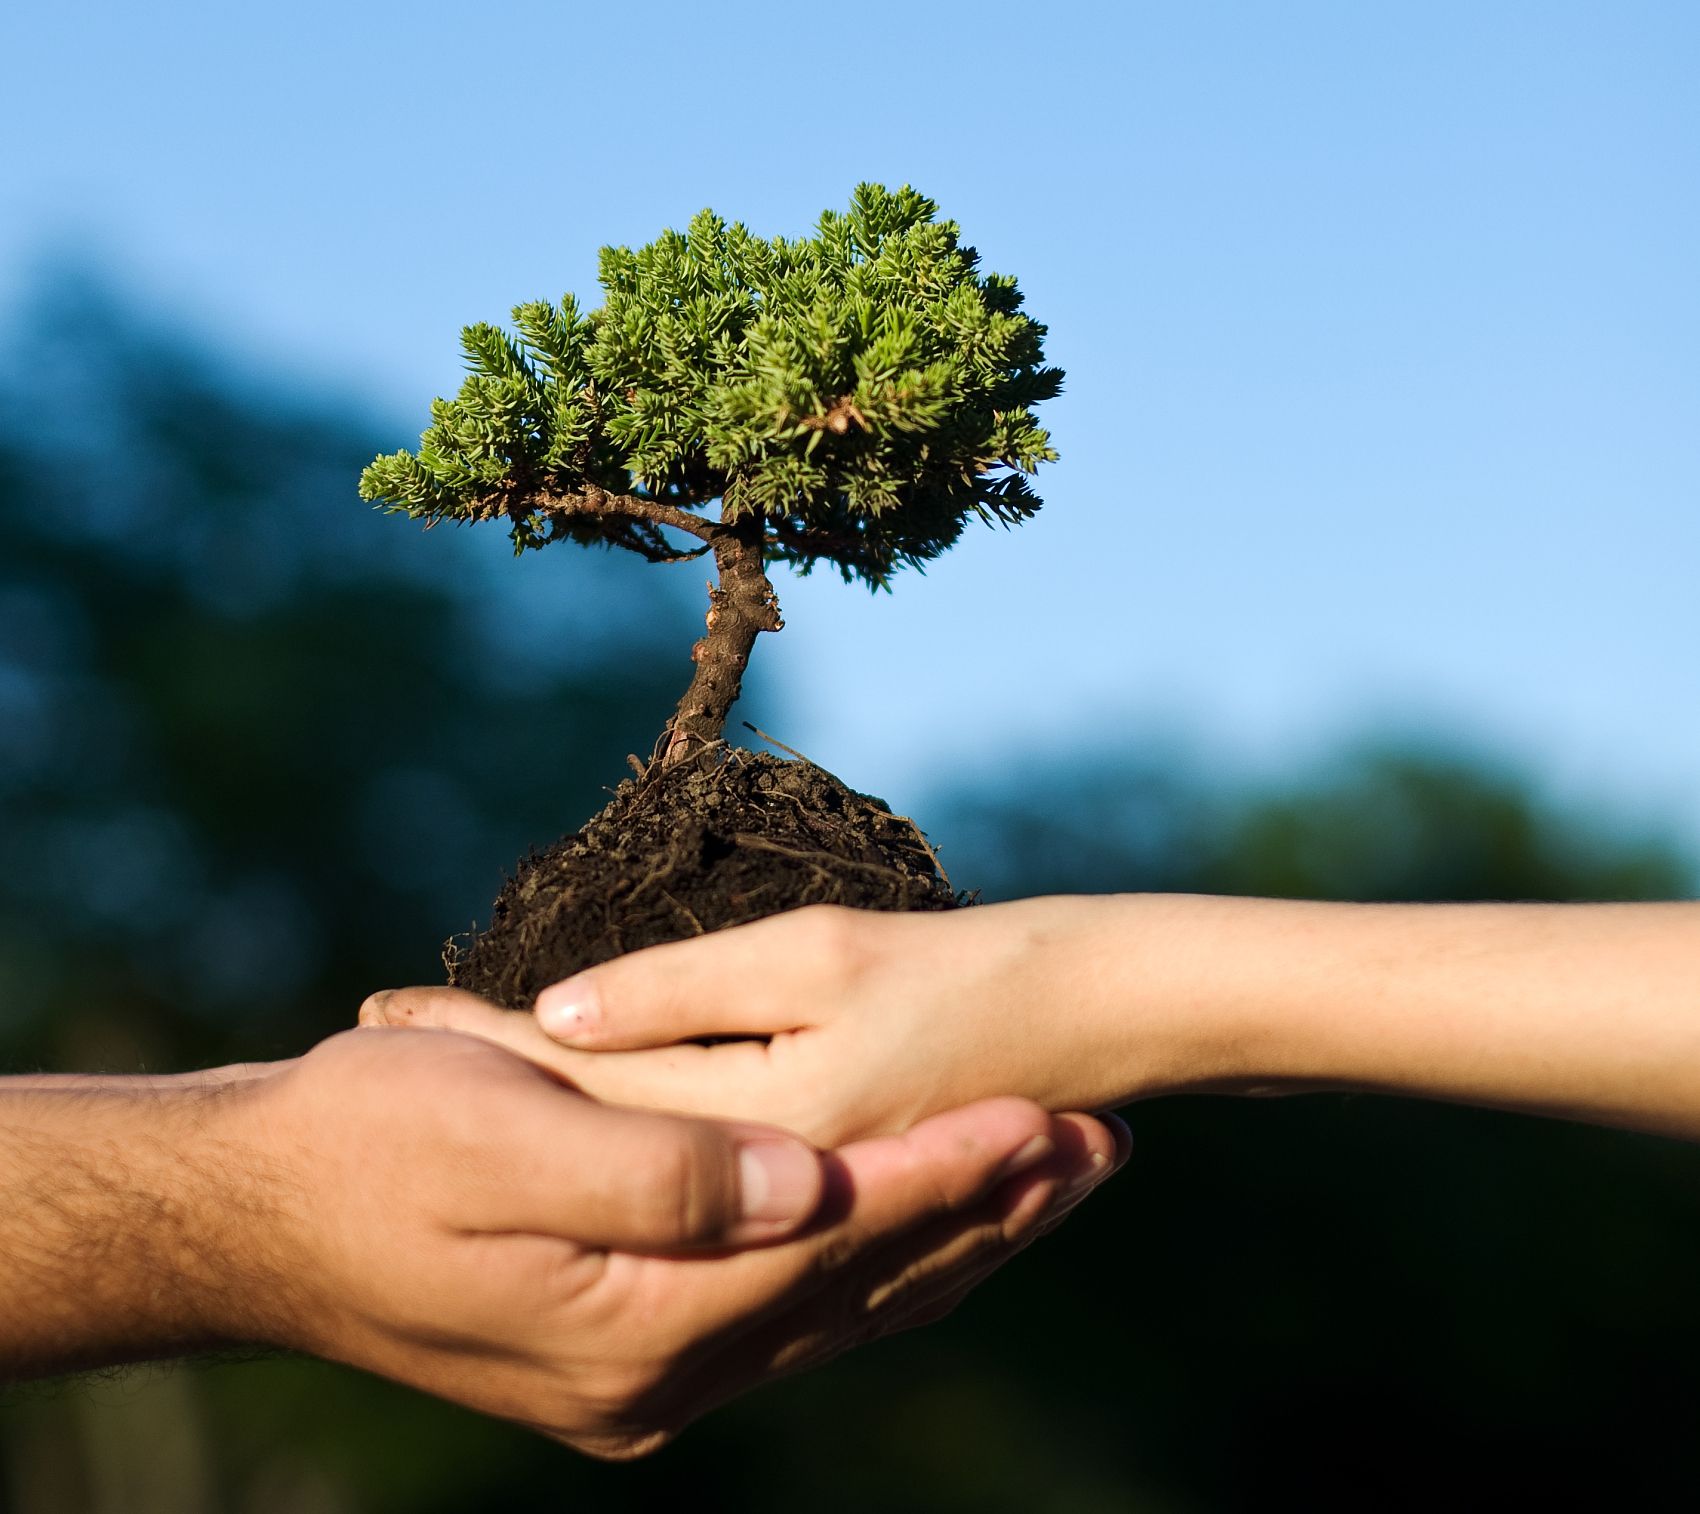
690, 849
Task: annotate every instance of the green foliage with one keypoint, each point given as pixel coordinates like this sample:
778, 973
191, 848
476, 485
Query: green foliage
865, 389
1385, 821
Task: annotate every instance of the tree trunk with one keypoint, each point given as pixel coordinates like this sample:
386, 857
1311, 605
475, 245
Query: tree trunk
739, 609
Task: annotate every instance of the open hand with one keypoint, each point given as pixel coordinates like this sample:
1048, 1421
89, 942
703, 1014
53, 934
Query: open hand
435, 1209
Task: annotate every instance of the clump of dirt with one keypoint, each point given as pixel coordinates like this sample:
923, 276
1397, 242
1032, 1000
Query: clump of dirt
690, 849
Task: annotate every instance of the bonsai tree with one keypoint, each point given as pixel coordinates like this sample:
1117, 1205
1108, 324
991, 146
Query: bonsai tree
852, 398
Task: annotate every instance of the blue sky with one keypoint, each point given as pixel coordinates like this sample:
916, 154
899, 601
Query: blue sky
1382, 322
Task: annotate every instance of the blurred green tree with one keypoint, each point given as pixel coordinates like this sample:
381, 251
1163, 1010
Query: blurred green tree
1334, 1303
1381, 821
256, 751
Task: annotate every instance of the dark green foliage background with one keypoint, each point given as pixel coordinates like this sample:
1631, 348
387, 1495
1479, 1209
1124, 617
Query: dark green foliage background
259, 750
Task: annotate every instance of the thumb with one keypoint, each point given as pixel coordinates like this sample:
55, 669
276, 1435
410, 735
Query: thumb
628, 1180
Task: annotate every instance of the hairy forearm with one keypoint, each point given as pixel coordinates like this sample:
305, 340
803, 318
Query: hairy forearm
1584, 1011
124, 1231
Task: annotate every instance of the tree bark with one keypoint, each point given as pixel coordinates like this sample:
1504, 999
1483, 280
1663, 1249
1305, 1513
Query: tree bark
739, 609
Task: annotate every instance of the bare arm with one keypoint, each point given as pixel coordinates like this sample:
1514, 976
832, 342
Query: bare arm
1590, 1012
120, 1205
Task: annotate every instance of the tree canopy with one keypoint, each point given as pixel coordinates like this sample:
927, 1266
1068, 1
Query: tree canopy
863, 392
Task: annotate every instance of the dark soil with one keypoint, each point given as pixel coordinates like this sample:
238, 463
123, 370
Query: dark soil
690, 849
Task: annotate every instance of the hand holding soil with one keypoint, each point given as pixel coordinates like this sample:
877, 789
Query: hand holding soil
834, 1022
843, 1023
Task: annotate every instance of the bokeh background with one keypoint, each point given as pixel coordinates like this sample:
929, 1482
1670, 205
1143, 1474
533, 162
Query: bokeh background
1368, 572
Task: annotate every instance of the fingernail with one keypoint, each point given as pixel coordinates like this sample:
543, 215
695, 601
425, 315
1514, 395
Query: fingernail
1030, 1155
570, 1010
780, 1180
1123, 1132
1091, 1175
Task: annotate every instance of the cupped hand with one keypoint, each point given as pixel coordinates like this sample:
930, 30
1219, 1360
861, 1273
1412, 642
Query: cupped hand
846, 1023
435, 1209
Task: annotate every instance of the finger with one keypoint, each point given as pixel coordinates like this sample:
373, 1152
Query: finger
920, 1276
719, 1082
629, 1180
927, 1306
1123, 1134
1091, 1148
893, 1184
952, 1254
439, 1008
941, 1165
427, 1006
434, 1007
878, 1190
958, 1255
928, 1272
932, 1258
939, 1309
1100, 1146
757, 979
933, 1297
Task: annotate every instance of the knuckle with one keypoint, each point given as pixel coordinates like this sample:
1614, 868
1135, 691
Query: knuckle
833, 937
944, 1196
938, 1188
835, 1252
859, 1325
688, 1192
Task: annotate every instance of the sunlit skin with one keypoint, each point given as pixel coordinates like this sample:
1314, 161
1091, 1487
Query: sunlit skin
855, 1023
432, 1208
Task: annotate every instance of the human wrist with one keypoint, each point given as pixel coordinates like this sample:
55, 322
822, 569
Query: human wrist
208, 1256
1120, 997
247, 1285
266, 1215
1149, 1021
1188, 993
